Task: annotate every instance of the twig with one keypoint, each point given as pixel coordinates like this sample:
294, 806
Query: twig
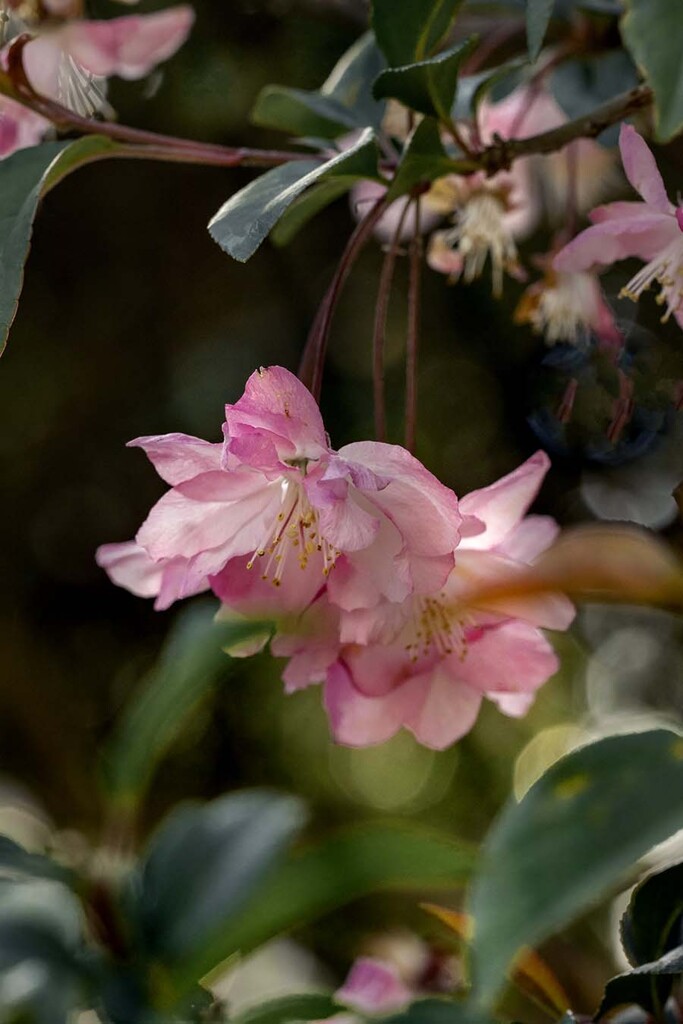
380, 328
413, 336
313, 358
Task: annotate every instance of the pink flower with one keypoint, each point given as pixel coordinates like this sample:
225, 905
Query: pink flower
652, 230
248, 516
19, 127
426, 664
373, 987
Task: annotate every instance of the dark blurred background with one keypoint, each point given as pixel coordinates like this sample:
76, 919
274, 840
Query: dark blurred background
134, 322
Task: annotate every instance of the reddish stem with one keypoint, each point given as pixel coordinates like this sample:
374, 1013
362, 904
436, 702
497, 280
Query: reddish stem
380, 328
413, 336
313, 358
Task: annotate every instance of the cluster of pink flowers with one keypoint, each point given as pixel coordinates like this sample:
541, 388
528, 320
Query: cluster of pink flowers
360, 556
70, 58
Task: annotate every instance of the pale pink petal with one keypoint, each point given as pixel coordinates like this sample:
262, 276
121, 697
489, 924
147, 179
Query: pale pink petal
627, 210
180, 579
179, 457
42, 57
129, 47
347, 526
19, 127
641, 169
246, 592
128, 565
311, 644
220, 485
515, 705
447, 710
378, 669
502, 505
373, 987
611, 240
359, 721
530, 538
510, 658
443, 257
278, 415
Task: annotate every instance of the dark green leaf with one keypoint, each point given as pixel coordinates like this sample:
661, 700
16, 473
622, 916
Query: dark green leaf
652, 921
306, 207
648, 986
191, 664
16, 861
343, 868
311, 1006
581, 85
538, 14
301, 112
439, 1011
24, 178
243, 222
586, 821
652, 30
424, 159
429, 86
411, 30
350, 81
203, 865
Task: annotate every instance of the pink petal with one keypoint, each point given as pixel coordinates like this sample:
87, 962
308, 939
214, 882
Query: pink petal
502, 505
510, 658
277, 414
129, 47
612, 240
42, 57
246, 592
515, 705
359, 721
373, 987
641, 169
179, 457
625, 210
530, 538
128, 565
19, 127
447, 711
378, 669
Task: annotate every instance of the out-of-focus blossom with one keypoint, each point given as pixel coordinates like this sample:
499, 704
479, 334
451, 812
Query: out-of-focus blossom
567, 307
70, 61
248, 516
652, 230
373, 987
426, 664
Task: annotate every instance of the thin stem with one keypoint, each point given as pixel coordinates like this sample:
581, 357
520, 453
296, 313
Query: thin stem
380, 328
313, 358
572, 211
413, 335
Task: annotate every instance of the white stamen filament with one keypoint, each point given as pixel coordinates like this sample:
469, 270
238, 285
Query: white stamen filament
566, 308
666, 269
294, 527
481, 233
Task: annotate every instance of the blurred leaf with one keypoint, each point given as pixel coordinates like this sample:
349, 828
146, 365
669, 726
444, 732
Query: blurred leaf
593, 563
410, 31
243, 222
25, 177
204, 864
310, 1006
439, 1011
529, 972
350, 81
424, 159
648, 986
333, 872
652, 921
306, 207
581, 85
190, 665
15, 860
301, 112
429, 86
548, 858
652, 30
538, 14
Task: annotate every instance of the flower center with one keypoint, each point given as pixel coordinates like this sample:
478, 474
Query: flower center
666, 270
565, 309
294, 529
481, 233
435, 629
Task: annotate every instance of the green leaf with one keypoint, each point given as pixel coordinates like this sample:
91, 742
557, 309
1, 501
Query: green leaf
648, 986
439, 1011
429, 86
424, 159
246, 219
301, 112
18, 862
653, 915
587, 820
652, 30
191, 664
339, 869
306, 207
350, 81
410, 30
24, 178
310, 1006
204, 864
538, 14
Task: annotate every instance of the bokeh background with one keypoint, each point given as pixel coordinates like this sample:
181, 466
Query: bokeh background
134, 322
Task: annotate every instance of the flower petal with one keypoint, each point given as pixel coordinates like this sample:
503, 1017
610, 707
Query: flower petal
128, 565
502, 505
373, 987
179, 457
611, 240
641, 169
447, 710
359, 721
510, 658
